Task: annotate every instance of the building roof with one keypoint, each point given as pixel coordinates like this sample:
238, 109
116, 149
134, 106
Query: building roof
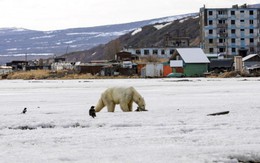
5, 67
221, 63
193, 55
249, 57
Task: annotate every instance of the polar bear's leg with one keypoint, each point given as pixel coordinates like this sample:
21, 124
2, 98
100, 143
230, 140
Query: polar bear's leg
110, 107
124, 107
130, 106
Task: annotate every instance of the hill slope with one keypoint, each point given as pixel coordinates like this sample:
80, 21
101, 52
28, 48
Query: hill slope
16, 42
148, 36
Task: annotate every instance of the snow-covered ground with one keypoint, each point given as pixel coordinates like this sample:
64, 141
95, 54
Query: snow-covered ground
57, 127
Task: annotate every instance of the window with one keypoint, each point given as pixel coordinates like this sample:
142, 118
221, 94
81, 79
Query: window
221, 40
242, 30
146, 52
221, 50
251, 31
232, 12
251, 40
233, 22
210, 22
155, 51
162, 52
242, 11
211, 41
220, 12
233, 50
221, 21
233, 31
251, 21
210, 31
137, 52
233, 40
210, 13
211, 50
251, 12
242, 21
242, 39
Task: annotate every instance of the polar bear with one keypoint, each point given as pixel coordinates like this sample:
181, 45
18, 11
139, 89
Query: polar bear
124, 96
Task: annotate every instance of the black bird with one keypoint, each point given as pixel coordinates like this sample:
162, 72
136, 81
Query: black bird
92, 112
24, 111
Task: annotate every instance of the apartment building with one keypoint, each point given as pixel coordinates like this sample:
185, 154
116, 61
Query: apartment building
230, 31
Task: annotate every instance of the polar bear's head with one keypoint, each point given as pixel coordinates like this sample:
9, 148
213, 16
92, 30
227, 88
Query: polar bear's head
141, 103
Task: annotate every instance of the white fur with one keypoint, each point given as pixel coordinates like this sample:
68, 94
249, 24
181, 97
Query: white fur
124, 96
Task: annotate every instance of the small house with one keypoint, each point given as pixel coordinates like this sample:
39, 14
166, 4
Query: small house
89, 68
189, 61
18, 65
125, 56
251, 59
5, 70
252, 63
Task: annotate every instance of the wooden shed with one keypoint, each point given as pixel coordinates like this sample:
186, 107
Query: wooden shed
125, 56
90, 68
251, 60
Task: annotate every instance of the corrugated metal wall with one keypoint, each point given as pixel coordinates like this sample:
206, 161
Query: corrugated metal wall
194, 70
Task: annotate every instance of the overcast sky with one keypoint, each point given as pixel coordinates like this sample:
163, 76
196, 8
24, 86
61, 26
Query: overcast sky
61, 14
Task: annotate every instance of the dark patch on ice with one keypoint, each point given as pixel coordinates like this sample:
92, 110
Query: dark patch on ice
50, 126
35, 81
221, 124
101, 125
185, 131
181, 80
75, 125
244, 80
126, 125
247, 158
26, 127
23, 128
51, 113
182, 122
47, 126
87, 81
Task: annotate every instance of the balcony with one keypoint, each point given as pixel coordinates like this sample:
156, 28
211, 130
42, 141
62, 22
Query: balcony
221, 44
223, 34
252, 44
222, 25
224, 16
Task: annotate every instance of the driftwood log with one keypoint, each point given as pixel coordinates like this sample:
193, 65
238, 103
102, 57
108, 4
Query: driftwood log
218, 113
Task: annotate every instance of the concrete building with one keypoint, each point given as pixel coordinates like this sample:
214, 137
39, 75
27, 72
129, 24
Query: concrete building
231, 31
165, 52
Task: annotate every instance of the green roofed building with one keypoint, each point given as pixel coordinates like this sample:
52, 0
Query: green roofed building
190, 62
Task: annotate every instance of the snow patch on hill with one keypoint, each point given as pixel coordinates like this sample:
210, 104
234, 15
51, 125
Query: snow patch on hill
136, 31
160, 26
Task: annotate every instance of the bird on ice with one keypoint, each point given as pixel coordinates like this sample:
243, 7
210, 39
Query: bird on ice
92, 112
24, 111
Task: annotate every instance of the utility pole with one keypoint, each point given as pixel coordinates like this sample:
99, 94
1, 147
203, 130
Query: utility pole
67, 49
